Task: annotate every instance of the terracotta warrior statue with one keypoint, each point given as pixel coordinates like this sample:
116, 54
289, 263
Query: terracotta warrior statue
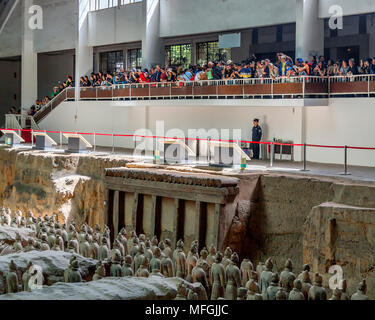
84, 246
17, 245
246, 270
26, 277
134, 247
99, 272
167, 268
317, 292
218, 278
154, 243
199, 275
12, 278
212, 255
306, 284
227, 257
265, 278
180, 261
253, 292
75, 274
287, 277
104, 250
191, 262
148, 252
155, 263
233, 276
30, 245
142, 272
306, 267
116, 270
127, 270
139, 257
273, 288
168, 248
296, 293
94, 248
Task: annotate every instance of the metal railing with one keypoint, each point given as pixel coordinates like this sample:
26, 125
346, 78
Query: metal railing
20, 121
293, 87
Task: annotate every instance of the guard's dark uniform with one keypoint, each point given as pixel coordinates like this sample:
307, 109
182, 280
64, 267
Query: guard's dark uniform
257, 136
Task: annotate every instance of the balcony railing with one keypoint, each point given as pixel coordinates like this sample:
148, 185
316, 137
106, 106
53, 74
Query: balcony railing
279, 88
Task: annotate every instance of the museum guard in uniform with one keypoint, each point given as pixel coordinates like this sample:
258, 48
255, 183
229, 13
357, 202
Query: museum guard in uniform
256, 137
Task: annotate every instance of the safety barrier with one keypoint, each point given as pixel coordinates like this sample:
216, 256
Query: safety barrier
270, 144
279, 88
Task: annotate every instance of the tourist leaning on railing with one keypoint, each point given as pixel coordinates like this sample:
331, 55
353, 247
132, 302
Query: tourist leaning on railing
283, 68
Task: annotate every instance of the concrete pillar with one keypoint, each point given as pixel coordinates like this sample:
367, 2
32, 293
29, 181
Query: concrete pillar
152, 44
309, 29
116, 207
29, 64
84, 53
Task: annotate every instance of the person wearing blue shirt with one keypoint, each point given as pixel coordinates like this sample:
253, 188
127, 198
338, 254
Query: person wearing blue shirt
256, 137
155, 77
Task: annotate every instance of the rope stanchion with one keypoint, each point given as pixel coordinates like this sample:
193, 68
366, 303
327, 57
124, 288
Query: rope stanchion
304, 158
346, 173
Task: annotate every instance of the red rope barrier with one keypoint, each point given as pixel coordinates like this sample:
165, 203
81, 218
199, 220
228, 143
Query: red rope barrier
196, 139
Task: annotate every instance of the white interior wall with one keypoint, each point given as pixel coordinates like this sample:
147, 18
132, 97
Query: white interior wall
344, 122
337, 124
116, 25
60, 20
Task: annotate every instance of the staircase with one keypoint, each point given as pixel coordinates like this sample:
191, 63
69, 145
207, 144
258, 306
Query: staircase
21, 122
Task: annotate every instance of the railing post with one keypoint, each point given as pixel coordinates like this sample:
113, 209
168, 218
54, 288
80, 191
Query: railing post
368, 85
113, 143
346, 173
304, 87
304, 158
32, 138
272, 153
209, 150
61, 139
94, 141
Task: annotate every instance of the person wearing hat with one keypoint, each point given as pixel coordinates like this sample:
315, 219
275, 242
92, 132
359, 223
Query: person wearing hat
257, 134
302, 68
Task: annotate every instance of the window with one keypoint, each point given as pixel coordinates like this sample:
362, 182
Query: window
105, 4
134, 58
209, 51
178, 55
111, 61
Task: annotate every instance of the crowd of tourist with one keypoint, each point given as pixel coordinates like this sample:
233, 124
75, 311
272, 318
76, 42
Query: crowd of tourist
41, 103
217, 275
252, 68
249, 69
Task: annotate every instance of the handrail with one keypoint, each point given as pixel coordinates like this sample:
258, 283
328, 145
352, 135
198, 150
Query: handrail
281, 87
